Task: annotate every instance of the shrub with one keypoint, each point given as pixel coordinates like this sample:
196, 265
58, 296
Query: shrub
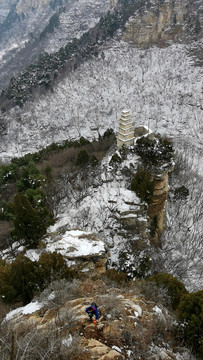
108, 133
93, 160
21, 281
153, 151
30, 178
8, 173
115, 159
6, 211
28, 223
143, 185
82, 158
155, 292
83, 141
190, 312
181, 192
63, 289
135, 265
47, 171
175, 288
109, 305
52, 266
114, 276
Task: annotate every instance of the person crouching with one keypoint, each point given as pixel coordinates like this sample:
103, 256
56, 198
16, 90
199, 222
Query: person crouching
92, 312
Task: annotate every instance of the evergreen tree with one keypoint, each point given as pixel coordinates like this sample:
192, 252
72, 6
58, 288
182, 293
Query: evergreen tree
23, 279
82, 158
143, 185
27, 221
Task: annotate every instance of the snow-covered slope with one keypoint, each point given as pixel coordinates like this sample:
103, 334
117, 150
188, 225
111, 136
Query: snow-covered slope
21, 42
162, 88
4, 9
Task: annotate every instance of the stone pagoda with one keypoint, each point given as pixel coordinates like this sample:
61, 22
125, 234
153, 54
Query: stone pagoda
125, 134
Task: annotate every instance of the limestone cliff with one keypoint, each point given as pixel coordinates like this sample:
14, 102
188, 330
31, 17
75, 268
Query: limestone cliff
164, 22
156, 207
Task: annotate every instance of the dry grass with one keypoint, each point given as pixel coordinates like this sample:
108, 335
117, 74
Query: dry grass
62, 161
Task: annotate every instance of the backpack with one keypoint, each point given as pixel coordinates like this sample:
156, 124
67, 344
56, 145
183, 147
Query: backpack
94, 305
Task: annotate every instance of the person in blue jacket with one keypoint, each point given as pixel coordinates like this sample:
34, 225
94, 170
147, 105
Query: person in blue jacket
92, 311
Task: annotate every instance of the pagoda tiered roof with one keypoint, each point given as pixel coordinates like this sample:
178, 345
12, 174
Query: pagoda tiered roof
125, 135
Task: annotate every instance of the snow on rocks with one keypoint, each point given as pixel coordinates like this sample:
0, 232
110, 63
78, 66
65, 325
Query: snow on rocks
135, 307
157, 310
76, 243
24, 310
67, 341
102, 352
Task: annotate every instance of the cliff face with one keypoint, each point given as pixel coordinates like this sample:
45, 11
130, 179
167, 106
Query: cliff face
156, 207
165, 22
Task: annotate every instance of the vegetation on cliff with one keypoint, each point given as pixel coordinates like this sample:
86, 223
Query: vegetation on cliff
27, 186
29, 209
21, 280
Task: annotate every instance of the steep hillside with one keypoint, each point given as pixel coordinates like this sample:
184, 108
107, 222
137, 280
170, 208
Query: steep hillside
35, 27
81, 89
132, 324
81, 221
162, 87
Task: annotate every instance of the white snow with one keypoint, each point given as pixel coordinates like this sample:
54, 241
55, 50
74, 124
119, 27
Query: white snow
137, 309
161, 87
163, 90
25, 310
136, 314
68, 340
76, 243
157, 310
116, 348
71, 244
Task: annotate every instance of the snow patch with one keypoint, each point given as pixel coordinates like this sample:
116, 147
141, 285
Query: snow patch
25, 310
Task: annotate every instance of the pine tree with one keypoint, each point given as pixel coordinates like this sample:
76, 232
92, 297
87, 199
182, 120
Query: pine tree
29, 226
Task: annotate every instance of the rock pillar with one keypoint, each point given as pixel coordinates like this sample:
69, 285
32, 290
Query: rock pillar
156, 208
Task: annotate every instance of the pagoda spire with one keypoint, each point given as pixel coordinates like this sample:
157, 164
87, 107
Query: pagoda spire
125, 134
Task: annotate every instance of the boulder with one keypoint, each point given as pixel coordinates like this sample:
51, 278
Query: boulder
112, 355
92, 332
102, 352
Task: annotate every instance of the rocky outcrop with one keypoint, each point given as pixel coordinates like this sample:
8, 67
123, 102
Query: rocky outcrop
83, 251
128, 326
164, 22
156, 207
